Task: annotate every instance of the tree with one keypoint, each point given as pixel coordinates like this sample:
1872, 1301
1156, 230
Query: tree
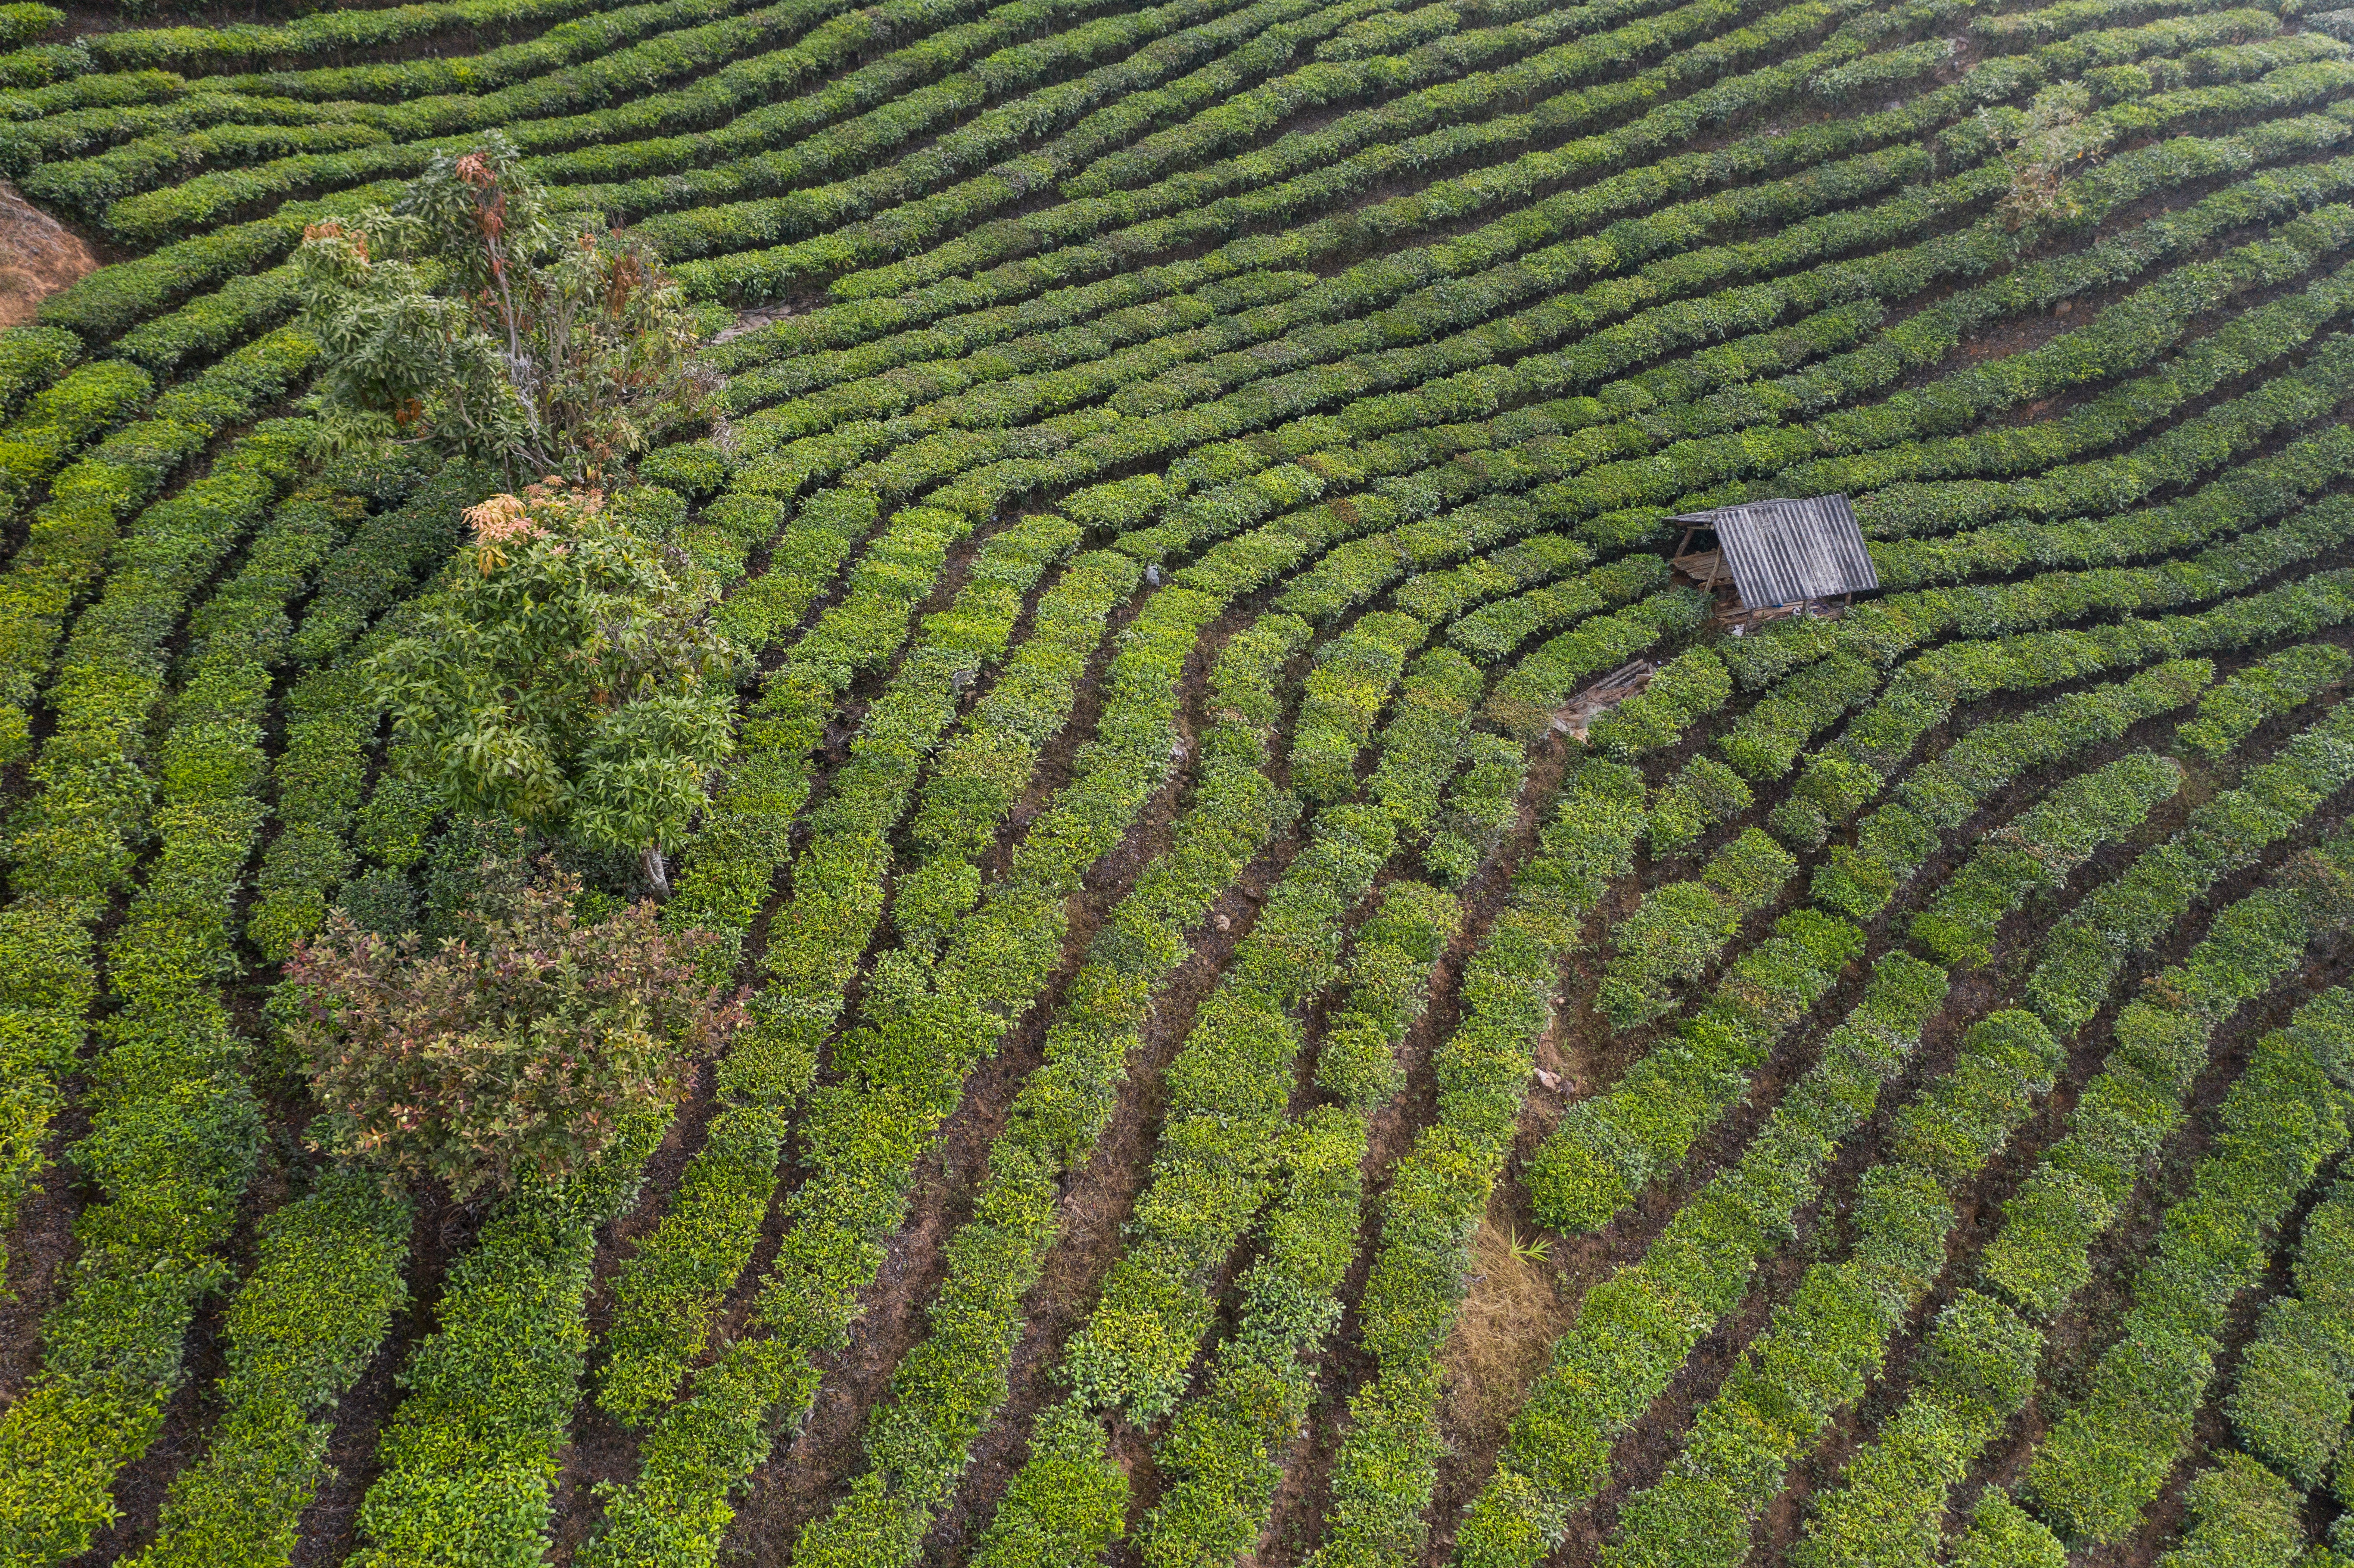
523, 1045
566, 676
474, 317
2053, 141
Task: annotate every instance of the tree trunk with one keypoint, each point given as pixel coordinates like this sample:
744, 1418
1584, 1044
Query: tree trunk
656, 873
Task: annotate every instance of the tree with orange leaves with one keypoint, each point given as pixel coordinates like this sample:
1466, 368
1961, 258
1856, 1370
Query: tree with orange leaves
473, 317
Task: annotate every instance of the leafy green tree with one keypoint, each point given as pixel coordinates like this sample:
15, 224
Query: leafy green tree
566, 676
522, 1046
475, 317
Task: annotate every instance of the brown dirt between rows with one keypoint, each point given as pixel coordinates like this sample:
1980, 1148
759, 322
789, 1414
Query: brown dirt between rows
800, 1481
374, 1389
1305, 1467
1516, 1306
139, 1491
1640, 1455
2211, 1428
1058, 763
1303, 1496
39, 1249
43, 1246
1497, 1358
952, 1531
1485, 1360
1100, 1201
1098, 1197
352, 1418
1579, 1261
602, 1451
1589, 1055
1979, 1207
2076, 1338
441, 1232
1135, 1448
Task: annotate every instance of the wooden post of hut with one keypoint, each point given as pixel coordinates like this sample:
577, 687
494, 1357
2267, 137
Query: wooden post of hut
1767, 559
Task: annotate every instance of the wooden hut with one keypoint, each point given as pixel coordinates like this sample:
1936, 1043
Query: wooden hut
1765, 559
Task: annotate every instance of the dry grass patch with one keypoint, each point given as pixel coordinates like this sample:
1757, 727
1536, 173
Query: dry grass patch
1508, 1322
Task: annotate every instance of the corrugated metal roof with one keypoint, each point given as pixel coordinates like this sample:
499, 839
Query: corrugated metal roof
1782, 551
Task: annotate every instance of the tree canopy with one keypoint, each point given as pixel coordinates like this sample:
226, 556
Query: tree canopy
521, 1047
476, 315
567, 676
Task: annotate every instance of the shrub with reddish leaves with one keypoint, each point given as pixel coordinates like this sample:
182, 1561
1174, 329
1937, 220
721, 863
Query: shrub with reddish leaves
519, 1046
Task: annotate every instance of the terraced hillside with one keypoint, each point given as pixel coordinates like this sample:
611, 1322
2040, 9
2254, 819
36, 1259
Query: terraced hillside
1233, 1076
